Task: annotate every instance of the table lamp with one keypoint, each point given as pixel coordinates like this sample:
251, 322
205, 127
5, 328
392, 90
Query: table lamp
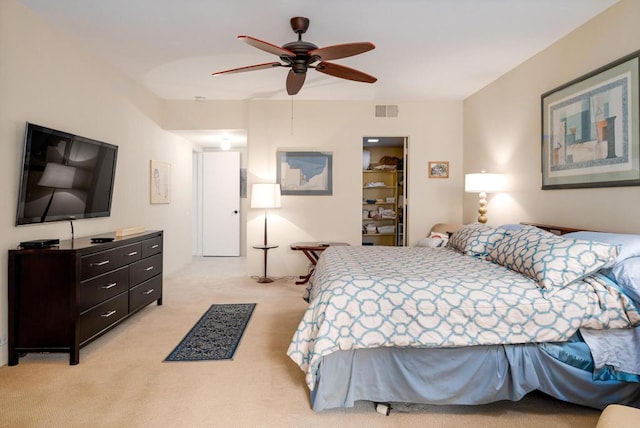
482, 184
265, 195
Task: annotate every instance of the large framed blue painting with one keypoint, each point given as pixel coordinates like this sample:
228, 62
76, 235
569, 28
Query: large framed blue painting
590, 132
305, 173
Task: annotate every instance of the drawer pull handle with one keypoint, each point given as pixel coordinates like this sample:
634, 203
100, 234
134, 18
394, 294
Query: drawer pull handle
102, 263
107, 314
108, 286
133, 253
153, 247
148, 292
149, 268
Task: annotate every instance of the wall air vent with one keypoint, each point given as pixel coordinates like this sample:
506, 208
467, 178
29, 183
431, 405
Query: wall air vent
389, 110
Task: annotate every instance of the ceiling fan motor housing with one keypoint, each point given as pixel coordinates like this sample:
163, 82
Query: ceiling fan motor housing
301, 61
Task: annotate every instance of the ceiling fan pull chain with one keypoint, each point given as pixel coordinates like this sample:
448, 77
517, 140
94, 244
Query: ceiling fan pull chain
292, 115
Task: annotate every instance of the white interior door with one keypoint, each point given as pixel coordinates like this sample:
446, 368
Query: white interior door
221, 204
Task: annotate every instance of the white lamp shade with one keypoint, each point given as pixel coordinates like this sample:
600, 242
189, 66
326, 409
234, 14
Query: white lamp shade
58, 176
265, 195
483, 182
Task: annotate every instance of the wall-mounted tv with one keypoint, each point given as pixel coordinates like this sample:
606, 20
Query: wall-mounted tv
64, 176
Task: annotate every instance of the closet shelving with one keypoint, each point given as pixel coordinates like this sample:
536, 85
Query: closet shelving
380, 214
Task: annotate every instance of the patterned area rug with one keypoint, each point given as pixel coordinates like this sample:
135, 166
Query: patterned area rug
216, 335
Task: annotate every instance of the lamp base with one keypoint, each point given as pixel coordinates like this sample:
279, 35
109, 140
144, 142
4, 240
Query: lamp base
264, 280
482, 209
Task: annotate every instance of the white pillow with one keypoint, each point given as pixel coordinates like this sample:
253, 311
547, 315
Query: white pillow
434, 240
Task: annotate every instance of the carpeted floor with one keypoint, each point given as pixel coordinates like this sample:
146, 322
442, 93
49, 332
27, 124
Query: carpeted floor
121, 380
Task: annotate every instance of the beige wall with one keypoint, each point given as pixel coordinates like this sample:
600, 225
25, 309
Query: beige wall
48, 79
434, 132
502, 131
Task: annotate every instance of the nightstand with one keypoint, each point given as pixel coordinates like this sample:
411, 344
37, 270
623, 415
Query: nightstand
313, 251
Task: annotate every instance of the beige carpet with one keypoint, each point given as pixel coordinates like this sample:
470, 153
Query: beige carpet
121, 380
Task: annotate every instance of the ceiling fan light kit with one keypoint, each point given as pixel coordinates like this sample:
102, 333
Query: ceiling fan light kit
301, 55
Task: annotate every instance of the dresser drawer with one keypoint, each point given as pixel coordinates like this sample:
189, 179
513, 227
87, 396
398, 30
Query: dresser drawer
102, 316
145, 293
103, 287
151, 247
104, 261
144, 269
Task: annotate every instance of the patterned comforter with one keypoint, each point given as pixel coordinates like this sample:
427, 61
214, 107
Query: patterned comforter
366, 297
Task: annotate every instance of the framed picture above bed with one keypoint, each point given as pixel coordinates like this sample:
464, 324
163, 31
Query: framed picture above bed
305, 173
590, 129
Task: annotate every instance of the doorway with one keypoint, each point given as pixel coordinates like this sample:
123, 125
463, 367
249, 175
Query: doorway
215, 140
221, 204
384, 190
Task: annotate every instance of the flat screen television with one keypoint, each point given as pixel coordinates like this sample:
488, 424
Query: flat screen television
64, 176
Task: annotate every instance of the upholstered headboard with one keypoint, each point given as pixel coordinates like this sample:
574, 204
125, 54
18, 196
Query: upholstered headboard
445, 227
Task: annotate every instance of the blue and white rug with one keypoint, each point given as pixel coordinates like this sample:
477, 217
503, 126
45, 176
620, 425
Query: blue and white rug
216, 335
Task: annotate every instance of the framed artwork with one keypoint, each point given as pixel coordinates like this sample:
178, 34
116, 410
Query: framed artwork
243, 183
160, 189
438, 169
305, 173
590, 129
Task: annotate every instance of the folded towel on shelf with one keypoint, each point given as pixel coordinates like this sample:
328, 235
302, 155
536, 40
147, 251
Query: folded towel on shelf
386, 229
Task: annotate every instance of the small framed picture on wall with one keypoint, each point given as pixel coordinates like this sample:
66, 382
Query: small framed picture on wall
160, 183
438, 169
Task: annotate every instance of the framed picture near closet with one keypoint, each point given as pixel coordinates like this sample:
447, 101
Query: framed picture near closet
438, 169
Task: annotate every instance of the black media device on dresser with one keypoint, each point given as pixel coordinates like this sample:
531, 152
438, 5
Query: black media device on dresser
61, 298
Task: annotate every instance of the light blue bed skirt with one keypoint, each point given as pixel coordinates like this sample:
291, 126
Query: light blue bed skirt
467, 376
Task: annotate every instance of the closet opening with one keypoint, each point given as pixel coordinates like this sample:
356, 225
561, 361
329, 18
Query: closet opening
384, 190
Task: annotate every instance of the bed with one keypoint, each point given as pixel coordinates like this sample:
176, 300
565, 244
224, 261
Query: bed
492, 315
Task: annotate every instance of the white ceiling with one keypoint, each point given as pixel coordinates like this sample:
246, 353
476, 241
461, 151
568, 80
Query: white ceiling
425, 49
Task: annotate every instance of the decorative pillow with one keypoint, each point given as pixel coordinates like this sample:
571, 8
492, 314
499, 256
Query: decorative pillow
550, 260
434, 240
475, 239
628, 244
430, 242
627, 275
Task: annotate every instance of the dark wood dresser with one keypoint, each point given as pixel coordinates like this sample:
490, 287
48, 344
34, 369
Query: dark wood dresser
61, 298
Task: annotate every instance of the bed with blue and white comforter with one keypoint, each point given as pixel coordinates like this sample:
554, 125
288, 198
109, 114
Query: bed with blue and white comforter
406, 298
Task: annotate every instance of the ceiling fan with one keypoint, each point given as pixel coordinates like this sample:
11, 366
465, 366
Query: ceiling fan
299, 56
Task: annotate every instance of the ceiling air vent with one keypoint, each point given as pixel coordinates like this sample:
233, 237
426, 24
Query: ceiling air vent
386, 110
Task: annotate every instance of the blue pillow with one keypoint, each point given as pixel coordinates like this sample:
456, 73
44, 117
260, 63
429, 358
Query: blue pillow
511, 226
628, 245
627, 275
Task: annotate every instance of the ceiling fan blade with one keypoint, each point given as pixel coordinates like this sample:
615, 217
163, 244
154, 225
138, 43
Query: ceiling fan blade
341, 51
249, 68
344, 72
295, 82
266, 46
